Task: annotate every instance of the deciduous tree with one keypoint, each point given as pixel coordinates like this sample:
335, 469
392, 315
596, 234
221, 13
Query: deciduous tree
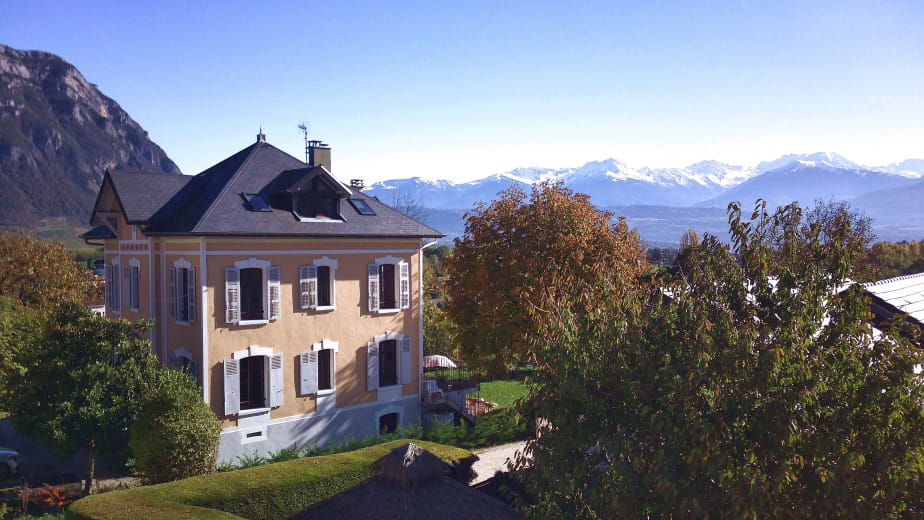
752, 388
523, 256
81, 382
39, 274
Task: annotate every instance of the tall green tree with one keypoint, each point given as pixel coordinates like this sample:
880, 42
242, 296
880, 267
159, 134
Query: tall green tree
523, 256
752, 388
80, 382
41, 275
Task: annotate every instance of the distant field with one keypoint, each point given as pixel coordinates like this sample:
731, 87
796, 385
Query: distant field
58, 230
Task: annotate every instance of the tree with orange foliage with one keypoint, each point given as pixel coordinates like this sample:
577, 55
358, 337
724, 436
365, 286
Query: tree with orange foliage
523, 256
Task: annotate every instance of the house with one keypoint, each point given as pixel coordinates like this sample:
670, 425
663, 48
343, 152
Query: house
898, 296
293, 299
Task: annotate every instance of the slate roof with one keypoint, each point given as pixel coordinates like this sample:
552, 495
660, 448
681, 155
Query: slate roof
142, 194
903, 294
211, 203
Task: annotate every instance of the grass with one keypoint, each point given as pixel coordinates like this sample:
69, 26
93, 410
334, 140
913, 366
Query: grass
506, 392
269, 491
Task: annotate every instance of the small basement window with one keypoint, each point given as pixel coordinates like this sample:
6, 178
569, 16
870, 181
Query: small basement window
362, 207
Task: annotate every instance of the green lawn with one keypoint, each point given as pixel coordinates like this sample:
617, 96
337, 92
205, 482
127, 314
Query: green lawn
506, 392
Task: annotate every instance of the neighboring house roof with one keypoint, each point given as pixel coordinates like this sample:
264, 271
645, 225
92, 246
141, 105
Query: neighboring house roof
902, 294
215, 202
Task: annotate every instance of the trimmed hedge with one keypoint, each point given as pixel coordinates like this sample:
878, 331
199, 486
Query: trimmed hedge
263, 492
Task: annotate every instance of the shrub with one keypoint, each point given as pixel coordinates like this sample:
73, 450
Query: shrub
270, 491
176, 434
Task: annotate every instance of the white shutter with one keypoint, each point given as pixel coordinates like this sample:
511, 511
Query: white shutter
374, 289
372, 366
191, 289
273, 296
275, 397
232, 386
308, 373
232, 296
406, 357
404, 285
308, 286
173, 295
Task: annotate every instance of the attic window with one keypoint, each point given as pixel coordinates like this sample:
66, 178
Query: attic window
256, 202
318, 201
362, 207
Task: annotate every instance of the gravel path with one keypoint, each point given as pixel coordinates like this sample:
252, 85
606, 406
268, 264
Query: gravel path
494, 459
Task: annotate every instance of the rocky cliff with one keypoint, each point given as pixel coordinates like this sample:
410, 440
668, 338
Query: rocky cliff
58, 135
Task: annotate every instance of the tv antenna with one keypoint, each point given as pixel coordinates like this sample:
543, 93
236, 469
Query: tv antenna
304, 127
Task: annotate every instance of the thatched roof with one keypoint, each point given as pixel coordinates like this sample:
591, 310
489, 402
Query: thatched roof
409, 483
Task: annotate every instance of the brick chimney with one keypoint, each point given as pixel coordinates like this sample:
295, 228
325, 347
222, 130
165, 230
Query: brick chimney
319, 154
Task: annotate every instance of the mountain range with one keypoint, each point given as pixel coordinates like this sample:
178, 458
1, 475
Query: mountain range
703, 188
58, 135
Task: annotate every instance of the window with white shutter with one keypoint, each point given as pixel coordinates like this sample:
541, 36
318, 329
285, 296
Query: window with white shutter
390, 360
252, 292
183, 288
132, 278
389, 285
114, 287
317, 284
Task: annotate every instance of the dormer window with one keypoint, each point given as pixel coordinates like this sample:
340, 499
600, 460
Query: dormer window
318, 201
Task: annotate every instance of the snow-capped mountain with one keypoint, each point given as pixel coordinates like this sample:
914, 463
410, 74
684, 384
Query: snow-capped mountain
707, 184
697, 188
820, 159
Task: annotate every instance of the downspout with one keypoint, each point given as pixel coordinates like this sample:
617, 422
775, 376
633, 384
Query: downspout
420, 323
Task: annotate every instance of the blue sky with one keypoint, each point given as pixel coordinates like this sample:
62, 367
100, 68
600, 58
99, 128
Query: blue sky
462, 90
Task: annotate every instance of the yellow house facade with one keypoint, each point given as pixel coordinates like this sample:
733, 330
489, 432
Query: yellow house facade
293, 299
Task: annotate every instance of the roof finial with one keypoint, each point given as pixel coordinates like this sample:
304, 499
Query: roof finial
260, 137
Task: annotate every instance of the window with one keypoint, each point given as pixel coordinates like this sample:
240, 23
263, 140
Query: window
318, 201
182, 360
388, 423
251, 294
362, 207
316, 284
389, 285
389, 361
183, 292
252, 291
113, 288
318, 368
253, 380
132, 277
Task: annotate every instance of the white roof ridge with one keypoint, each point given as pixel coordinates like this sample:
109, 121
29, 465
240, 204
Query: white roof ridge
894, 279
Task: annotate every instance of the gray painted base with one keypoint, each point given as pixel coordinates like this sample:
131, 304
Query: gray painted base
257, 435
